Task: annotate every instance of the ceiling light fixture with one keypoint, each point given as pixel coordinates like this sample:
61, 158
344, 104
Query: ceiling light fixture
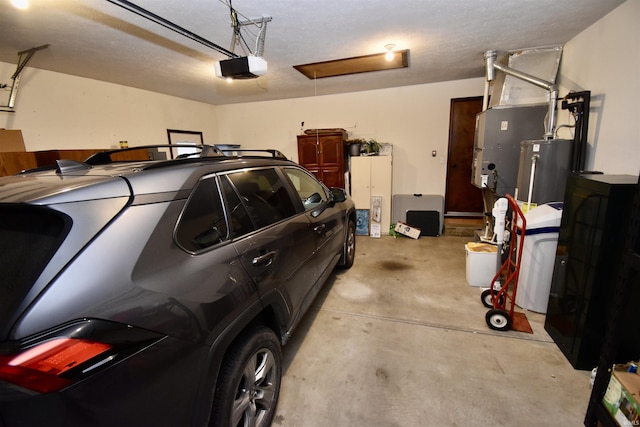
389, 55
20, 4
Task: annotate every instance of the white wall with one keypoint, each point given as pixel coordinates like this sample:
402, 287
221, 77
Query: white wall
605, 59
59, 111
415, 119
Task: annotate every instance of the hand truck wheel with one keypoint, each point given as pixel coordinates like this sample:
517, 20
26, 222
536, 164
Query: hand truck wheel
498, 320
487, 301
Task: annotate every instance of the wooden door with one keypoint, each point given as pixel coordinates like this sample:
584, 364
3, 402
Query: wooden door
462, 197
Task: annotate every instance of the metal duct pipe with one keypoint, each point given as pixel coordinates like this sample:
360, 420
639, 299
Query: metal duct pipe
492, 65
485, 96
551, 122
489, 59
489, 62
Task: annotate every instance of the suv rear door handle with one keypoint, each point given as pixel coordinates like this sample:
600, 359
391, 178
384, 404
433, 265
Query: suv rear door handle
320, 228
265, 259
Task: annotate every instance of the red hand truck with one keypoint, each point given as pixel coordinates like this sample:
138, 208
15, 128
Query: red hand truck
501, 297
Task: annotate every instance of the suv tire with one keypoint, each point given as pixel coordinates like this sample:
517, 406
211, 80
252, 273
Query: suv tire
249, 381
349, 250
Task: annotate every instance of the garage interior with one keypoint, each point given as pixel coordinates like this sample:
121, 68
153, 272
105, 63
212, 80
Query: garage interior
402, 337
402, 340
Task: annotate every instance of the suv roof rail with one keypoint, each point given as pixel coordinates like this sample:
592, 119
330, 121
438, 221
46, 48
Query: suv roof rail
274, 153
105, 157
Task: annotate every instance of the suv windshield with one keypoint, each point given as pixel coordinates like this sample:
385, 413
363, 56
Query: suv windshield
29, 237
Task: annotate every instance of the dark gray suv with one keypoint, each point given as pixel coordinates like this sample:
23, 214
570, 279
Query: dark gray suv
159, 293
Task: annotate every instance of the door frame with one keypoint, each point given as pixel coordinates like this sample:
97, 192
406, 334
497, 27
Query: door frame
479, 213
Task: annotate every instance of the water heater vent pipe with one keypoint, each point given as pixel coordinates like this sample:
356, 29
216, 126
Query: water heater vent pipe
491, 65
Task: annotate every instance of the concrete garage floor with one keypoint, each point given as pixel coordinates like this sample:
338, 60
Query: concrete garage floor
400, 339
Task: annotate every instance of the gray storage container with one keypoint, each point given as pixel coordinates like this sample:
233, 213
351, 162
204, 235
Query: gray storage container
417, 203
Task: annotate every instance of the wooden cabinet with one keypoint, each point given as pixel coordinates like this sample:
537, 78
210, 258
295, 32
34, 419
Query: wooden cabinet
14, 162
49, 157
323, 154
371, 176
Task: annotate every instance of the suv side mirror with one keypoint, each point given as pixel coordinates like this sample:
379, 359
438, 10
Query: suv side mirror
338, 195
313, 199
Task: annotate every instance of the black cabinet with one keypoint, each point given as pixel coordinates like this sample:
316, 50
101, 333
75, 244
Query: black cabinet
595, 221
622, 334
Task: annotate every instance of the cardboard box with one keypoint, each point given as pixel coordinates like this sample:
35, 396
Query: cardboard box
11, 141
376, 230
621, 398
407, 230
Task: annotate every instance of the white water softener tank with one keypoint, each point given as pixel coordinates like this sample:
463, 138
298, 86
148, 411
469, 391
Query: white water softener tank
538, 256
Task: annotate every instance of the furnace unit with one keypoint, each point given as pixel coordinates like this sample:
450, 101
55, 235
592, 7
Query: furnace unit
496, 154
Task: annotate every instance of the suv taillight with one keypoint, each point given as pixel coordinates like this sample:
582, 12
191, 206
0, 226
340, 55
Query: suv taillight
57, 359
39, 368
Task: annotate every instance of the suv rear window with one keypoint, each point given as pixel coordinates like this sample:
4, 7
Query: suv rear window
202, 224
29, 237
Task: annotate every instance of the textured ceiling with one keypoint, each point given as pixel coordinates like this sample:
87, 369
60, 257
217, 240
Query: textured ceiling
447, 38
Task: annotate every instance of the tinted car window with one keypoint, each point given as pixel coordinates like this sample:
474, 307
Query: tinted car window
29, 237
202, 223
311, 192
264, 195
239, 221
